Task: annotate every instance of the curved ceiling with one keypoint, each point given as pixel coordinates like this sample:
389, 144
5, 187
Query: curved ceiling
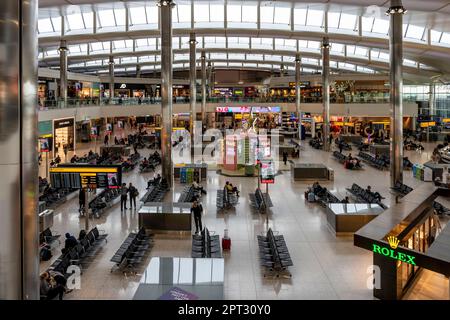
345, 22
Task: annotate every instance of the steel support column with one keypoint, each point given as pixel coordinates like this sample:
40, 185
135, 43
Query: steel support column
19, 241
209, 78
111, 77
326, 93
192, 82
298, 93
396, 12
63, 72
165, 18
203, 61
432, 100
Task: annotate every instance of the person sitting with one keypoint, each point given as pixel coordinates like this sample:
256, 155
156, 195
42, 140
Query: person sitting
49, 289
228, 187
234, 190
74, 159
57, 159
70, 242
82, 235
198, 187
154, 181
375, 194
116, 141
145, 163
345, 200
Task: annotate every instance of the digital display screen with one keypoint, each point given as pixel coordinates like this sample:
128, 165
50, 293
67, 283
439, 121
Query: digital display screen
267, 171
94, 132
86, 176
44, 145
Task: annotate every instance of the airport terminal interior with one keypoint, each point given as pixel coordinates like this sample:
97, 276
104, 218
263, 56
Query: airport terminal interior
225, 150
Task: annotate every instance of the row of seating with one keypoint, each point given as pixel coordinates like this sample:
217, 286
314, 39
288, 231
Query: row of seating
407, 164
340, 156
205, 245
156, 193
132, 251
48, 237
189, 194
365, 196
274, 254
260, 200
373, 161
54, 196
102, 201
225, 199
402, 190
316, 143
361, 145
321, 195
345, 145
79, 254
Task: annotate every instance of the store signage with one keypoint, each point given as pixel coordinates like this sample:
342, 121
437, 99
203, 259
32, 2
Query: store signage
303, 84
349, 124
233, 109
265, 109
123, 86
392, 253
427, 124
446, 120
338, 123
63, 123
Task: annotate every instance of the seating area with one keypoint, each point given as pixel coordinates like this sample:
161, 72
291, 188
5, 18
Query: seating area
364, 196
316, 143
156, 193
81, 254
225, 199
402, 190
260, 200
361, 145
132, 251
205, 245
103, 200
189, 194
345, 145
274, 254
321, 195
54, 197
378, 163
49, 237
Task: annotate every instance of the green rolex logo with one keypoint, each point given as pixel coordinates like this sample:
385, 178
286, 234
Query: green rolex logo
392, 253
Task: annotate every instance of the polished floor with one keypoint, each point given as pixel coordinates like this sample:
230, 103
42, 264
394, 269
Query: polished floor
325, 266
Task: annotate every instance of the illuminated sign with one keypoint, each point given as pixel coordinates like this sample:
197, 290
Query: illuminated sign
44, 145
391, 253
446, 120
265, 109
303, 84
427, 124
86, 176
336, 123
233, 109
349, 124
267, 171
123, 86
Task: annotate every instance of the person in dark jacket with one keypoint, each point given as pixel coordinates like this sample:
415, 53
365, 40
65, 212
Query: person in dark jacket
70, 242
285, 157
81, 200
197, 210
123, 197
133, 194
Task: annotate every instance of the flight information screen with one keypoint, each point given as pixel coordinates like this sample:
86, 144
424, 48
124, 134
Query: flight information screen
86, 176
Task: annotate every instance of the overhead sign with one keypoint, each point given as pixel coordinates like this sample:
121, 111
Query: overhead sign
446, 120
86, 176
392, 252
427, 124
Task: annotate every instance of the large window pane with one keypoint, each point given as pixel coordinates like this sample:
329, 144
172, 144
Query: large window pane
348, 21
45, 25
137, 15
315, 18
106, 18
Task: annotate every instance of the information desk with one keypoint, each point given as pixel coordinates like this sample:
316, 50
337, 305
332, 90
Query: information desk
197, 170
308, 171
120, 150
379, 149
182, 279
347, 218
351, 138
165, 216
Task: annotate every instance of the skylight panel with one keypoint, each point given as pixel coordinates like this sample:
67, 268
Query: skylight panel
255, 57
445, 38
333, 19
201, 12
52, 53
183, 13
120, 16
250, 13
218, 56
367, 23
302, 43
236, 56
265, 65
75, 21
56, 21
184, 41
435, 36
74, 49
408, 62
235, 64
415, 32
313, 45
250, 65
106, 18
300, 17
361, 51
96, 46
216, 12
315, 18
137, 15
45, 25
337, 48
266, 14
88, 18
380, 26
282, 15
262, 43
153, 13
234, 13
347, 21
272, 57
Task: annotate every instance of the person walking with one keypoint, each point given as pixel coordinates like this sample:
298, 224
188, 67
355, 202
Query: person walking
106, 140
133, 194
66, 150
81, 201
341, 146
123, 197
285, 157
197, 211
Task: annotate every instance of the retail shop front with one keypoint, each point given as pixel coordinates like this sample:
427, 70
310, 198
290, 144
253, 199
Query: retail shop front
404, 240
241, 116
64, 135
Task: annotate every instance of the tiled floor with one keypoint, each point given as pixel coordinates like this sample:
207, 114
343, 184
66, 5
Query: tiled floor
325, 266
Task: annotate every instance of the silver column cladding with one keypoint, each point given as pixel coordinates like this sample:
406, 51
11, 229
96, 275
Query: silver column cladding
166, 88
111, 77
19, 255
396, 12
298, 93
203, 60
326, 93
63, 72
192, 82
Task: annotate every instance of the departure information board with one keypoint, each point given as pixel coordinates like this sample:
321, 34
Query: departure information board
86, 176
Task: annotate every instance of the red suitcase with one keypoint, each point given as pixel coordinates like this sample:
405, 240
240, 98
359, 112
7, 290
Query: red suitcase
226, 243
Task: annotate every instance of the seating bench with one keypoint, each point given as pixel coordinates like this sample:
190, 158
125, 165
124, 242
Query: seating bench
206, 245
274, 254
259, 200
225, 200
